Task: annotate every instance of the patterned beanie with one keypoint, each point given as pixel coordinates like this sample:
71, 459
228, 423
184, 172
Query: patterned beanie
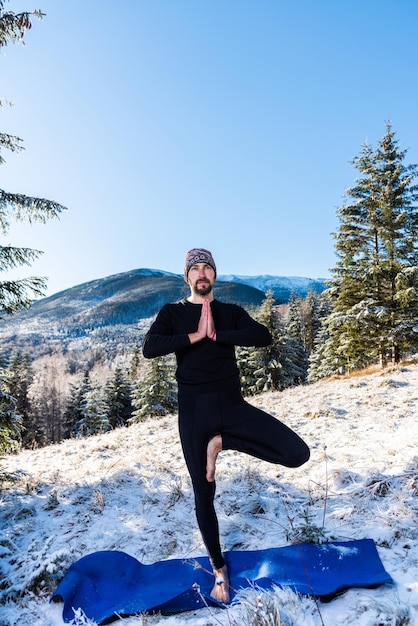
198, 255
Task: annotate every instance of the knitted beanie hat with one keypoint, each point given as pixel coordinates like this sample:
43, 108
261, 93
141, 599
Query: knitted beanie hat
198, 255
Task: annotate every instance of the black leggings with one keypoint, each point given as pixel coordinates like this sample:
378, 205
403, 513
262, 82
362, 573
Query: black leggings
244, 428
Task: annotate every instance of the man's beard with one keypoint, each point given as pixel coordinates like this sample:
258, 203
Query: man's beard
202, 288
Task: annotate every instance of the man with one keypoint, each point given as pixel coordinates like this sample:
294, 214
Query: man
213, 415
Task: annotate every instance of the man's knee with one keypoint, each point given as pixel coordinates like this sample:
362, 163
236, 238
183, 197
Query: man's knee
300, 459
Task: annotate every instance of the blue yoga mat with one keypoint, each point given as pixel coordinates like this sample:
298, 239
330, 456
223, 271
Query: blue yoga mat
109, 584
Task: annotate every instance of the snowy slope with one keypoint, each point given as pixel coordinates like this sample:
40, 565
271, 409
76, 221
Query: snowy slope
129, 490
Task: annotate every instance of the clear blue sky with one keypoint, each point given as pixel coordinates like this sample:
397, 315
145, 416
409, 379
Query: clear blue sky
228, 124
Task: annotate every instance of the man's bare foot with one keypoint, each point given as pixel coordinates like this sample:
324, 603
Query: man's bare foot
214, 448
220, 591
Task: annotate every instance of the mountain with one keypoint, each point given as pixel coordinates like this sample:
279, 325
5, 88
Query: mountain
113, 312
281, 286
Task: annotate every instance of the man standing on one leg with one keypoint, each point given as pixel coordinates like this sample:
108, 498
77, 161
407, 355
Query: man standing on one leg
213, 416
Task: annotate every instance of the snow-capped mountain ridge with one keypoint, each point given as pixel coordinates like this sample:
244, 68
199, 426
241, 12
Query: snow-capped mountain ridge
298, 284
282, 286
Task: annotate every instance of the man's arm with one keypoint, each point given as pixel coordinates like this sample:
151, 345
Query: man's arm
160, 339
246, 332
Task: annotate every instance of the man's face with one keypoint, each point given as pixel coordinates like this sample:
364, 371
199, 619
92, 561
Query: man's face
201, 278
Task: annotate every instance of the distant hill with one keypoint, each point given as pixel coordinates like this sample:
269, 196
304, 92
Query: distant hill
282, 287
112, 313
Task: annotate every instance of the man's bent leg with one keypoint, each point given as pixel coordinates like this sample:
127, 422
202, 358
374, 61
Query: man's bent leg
255, 432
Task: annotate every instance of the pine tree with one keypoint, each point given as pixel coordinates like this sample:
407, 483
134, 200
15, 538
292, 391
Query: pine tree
19, 380
10, 423
135, 361
18, 294
94, 410
275, 366
74, 411
258, 366
374, 287
119, 399
269, 374
248, 360
293, 320
311, 312
324, 360
294, 331
156, 394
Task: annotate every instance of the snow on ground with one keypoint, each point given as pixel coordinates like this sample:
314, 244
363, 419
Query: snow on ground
129, 490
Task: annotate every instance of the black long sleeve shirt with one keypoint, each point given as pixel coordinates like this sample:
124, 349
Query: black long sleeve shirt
206, 364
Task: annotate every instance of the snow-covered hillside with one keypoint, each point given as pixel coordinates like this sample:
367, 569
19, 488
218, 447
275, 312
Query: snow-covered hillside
129, 490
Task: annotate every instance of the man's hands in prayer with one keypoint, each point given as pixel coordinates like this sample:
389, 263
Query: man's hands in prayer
206, 327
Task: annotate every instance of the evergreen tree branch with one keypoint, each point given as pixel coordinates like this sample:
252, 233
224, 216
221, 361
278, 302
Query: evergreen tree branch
26, 208
13, 26
12, 257
14, 294
10, 142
